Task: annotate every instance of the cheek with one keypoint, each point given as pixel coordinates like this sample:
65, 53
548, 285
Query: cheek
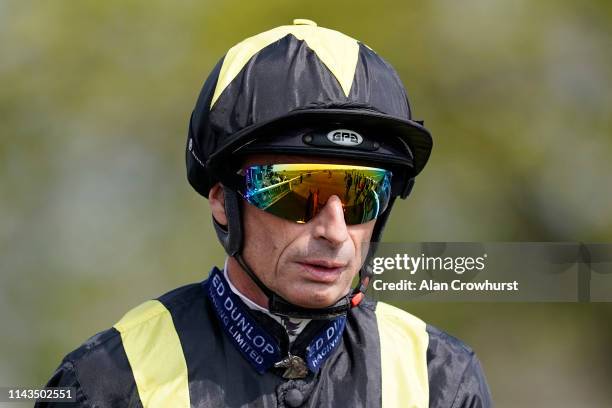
265, 239
258, 237
360, 235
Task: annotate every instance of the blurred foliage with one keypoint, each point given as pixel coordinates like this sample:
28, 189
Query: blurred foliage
97, 216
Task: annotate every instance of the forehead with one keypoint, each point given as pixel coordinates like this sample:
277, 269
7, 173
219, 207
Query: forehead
288, 158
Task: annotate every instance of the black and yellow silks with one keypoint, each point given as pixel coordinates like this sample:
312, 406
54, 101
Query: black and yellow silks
173, 352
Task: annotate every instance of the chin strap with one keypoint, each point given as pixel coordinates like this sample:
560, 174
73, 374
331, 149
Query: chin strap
231, 237
366, 271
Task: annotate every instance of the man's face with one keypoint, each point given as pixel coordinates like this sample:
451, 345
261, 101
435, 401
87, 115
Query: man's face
312, 264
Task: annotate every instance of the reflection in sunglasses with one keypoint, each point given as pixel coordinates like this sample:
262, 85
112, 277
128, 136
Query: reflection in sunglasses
298, 192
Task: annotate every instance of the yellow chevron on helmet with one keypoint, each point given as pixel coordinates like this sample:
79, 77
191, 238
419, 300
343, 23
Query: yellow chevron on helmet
336, 50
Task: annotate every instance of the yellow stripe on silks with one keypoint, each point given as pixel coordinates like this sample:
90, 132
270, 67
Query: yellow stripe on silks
403, 349
337, 51
155, 354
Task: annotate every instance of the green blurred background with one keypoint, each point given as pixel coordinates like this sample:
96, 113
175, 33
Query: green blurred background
96, 215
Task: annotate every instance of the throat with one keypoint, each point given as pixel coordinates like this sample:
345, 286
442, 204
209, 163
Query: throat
293, 326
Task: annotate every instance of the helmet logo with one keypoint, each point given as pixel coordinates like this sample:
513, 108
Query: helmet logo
345, 137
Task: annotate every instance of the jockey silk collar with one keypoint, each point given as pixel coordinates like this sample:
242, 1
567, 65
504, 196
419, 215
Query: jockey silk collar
255, 344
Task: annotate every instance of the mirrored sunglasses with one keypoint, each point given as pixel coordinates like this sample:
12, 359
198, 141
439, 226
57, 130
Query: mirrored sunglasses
298, 191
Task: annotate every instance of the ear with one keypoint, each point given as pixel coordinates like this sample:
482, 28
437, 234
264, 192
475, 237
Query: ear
216, 199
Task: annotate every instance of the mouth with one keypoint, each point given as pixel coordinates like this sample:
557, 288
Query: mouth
323, 271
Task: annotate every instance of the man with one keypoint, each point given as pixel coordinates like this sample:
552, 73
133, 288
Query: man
287, 121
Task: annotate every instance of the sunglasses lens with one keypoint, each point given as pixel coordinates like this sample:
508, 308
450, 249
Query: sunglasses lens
297, 192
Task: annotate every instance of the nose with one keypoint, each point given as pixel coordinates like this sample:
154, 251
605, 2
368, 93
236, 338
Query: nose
329, 222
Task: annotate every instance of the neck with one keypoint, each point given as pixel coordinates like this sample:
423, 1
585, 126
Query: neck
244, 284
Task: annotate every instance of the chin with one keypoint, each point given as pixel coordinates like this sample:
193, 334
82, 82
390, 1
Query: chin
317, 299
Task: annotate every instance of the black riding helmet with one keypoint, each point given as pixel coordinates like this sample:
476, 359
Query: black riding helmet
305, 90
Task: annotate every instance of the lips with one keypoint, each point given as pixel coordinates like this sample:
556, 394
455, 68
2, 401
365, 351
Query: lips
323, 271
